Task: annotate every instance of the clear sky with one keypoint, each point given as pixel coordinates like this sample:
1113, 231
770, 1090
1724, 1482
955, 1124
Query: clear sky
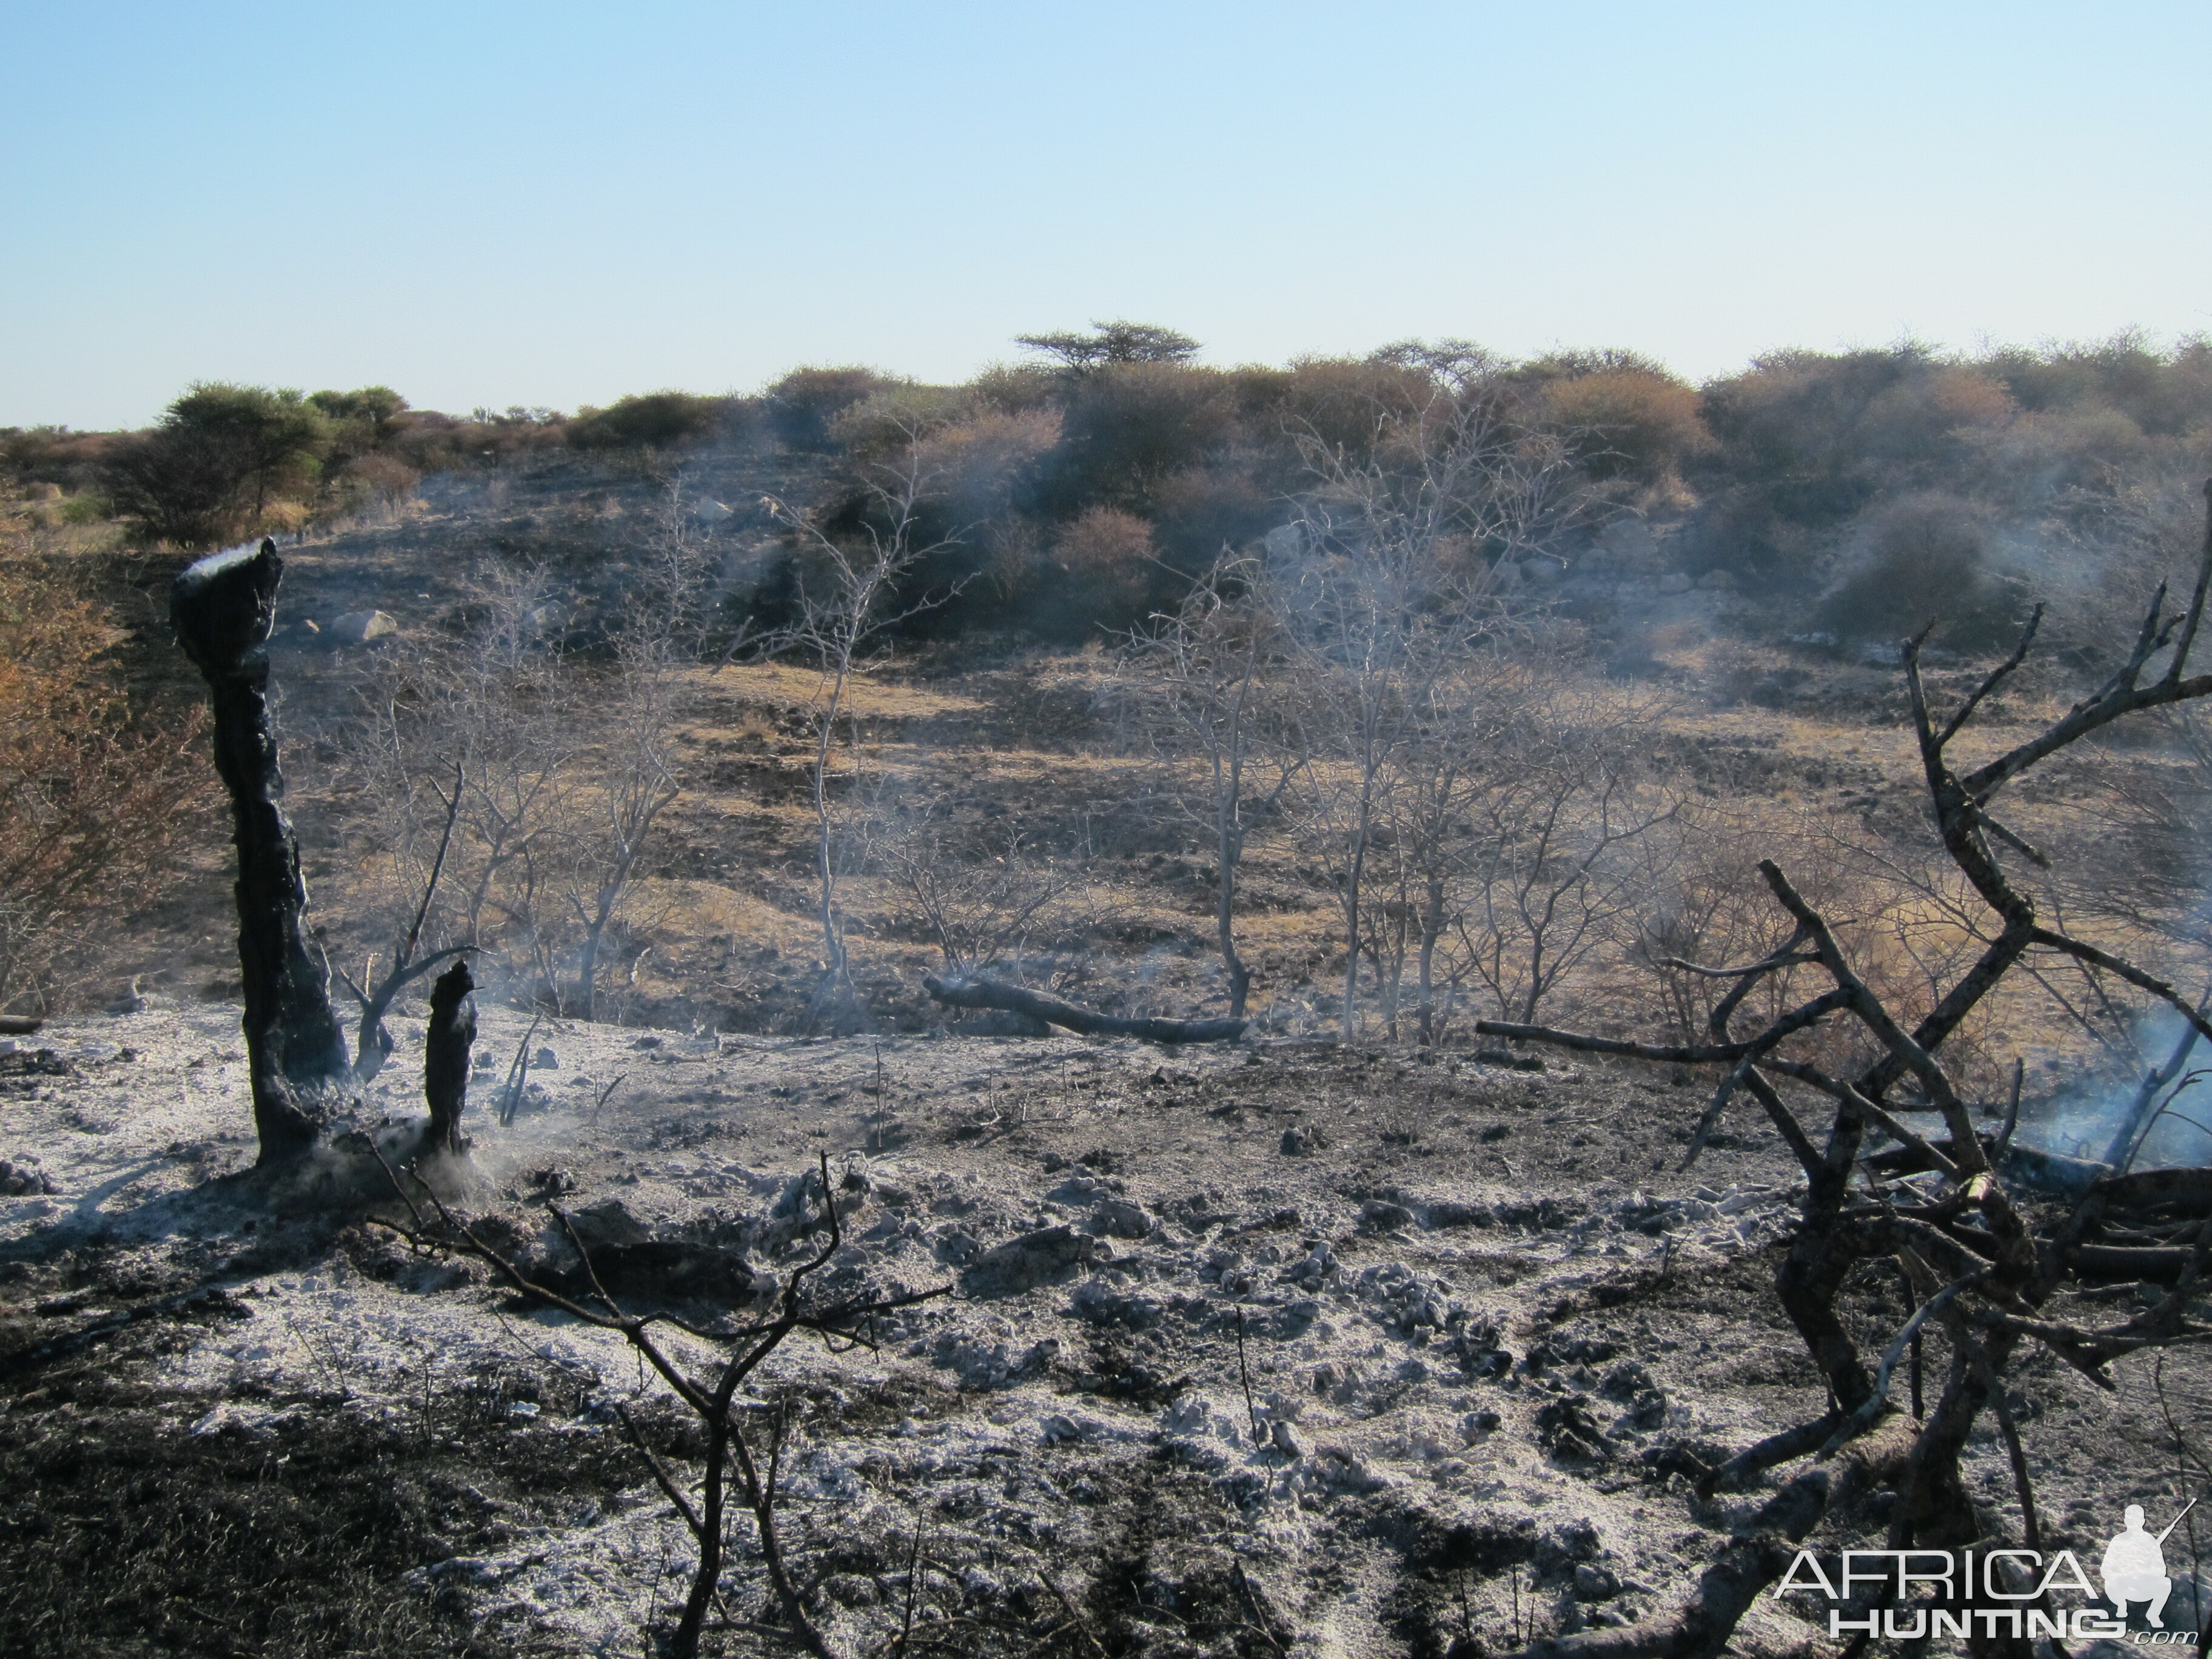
555, 203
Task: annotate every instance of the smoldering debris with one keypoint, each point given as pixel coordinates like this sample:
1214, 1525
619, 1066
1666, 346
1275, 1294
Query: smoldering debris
1379, 1393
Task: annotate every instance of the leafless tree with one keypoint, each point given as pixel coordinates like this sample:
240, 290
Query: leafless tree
1209, 681
1390, 587
492, 711
980, 896
853, 592
635, 782
1568, 841
562, 761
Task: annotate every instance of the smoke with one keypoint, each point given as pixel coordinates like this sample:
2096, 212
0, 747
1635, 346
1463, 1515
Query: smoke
2165, 1110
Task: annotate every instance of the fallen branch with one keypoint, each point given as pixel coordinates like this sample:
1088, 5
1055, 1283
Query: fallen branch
1013, 1000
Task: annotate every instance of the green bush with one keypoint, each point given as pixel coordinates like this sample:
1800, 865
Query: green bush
803, 403
220, 458
650, 420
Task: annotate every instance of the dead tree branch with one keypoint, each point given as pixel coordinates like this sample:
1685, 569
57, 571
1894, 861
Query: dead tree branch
713, 1401
1012, 998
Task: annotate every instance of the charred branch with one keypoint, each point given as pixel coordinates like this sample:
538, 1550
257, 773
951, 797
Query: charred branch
977, 992
713, 1399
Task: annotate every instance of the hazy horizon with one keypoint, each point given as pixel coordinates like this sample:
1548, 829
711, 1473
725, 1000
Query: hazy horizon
555, 206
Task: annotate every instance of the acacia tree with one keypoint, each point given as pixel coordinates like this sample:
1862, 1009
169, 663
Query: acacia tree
853, 592
1117, 341
207, 470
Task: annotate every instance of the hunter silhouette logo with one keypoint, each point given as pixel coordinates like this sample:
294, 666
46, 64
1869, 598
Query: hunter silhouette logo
2134, 1568
1907, 1594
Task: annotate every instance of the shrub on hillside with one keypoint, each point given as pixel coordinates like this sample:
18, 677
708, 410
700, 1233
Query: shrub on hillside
1107, 566
1227, 503
94, 795
2160, 394
803, 403
54, 455
379, 480
981, 464
1626, 418
365, 417
1346, 404
219, 458
1792, 428
1926, 559
650, 420
1129, 425
431, 441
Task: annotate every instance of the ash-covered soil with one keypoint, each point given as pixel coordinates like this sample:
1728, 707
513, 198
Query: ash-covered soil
1250, 1349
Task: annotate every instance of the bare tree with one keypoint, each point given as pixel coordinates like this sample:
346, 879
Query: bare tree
492, 712
1566, 828
981, 903
635, 783
633, 778
853, 590
373, 1042
1210, 683
1390, 589
561, 764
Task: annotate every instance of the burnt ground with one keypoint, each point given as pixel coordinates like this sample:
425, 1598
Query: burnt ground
1488, 1337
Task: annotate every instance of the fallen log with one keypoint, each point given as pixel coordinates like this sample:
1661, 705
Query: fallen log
2189, 1190
2159, 1263
18, 1025
974, 993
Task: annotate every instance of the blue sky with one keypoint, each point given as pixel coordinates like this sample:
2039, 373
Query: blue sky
555, 203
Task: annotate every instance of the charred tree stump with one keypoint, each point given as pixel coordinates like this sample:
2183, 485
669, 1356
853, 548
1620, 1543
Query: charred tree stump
223, 609
1012, 998
446, 1054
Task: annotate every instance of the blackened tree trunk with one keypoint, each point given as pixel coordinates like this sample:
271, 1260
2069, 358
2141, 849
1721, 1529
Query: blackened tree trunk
446, 1054
223, 609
